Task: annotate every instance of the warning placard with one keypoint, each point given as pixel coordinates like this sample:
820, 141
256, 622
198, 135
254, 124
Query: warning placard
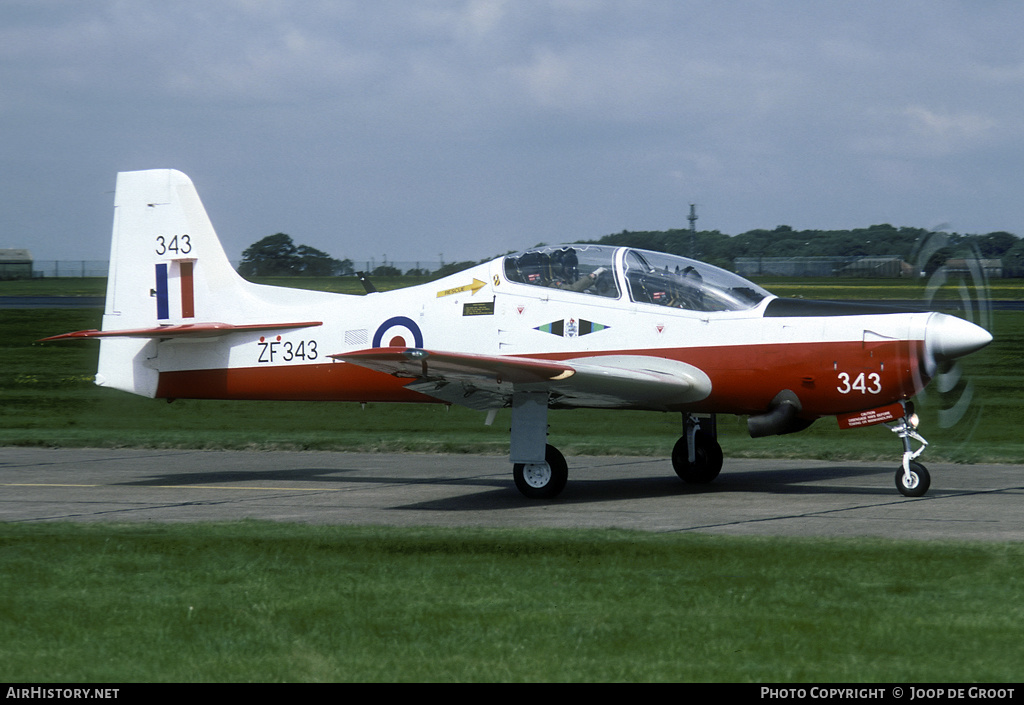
870, 417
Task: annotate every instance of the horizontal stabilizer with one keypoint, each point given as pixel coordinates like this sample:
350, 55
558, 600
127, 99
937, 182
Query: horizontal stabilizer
193, 330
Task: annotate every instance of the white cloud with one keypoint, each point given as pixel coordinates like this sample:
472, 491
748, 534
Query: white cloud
527, 119
945, 132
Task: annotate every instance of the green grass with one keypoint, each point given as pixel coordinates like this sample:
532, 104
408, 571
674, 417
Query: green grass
54, 286
869, 289
270, 602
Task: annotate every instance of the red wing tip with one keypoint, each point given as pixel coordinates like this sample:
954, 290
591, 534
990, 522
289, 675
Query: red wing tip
76, 334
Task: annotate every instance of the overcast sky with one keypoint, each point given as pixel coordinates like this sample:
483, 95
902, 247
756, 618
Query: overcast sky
468, 128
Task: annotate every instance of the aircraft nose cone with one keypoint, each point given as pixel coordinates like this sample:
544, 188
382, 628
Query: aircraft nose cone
948, 337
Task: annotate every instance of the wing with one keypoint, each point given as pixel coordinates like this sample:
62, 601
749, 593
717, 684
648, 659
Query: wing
487, 381
194, 330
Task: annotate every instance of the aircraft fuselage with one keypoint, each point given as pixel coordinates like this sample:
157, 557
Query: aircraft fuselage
835, 360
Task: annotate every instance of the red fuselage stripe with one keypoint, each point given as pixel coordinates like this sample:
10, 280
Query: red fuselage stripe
829, 378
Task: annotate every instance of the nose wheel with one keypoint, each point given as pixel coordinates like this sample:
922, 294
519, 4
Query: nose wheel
913, 481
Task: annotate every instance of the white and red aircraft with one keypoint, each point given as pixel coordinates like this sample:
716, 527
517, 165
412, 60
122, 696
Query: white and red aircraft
571, 326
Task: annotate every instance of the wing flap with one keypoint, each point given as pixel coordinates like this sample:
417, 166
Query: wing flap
189, 330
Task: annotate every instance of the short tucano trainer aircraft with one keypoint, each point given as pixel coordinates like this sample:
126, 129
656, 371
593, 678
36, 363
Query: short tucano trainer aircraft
570, 326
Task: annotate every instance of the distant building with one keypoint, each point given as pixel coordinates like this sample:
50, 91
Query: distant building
885, 266
15, 264
785, 266
993, 268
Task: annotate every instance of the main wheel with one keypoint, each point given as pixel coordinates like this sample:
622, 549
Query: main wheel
707, 459
542, 480
918, 482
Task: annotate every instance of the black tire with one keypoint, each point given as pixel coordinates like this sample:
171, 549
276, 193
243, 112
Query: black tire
544, 480
919, 483
707, 459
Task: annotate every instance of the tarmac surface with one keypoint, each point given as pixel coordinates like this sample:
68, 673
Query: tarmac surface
750, 497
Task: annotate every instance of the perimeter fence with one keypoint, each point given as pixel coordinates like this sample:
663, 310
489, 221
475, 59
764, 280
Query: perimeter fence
70, 268
99, 267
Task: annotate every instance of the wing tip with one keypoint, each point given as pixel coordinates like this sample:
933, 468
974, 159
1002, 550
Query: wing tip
91, 333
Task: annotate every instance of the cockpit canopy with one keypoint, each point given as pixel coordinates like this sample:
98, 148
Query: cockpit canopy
587, 269
648, 277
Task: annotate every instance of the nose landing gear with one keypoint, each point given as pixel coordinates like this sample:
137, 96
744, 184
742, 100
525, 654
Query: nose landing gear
912, 478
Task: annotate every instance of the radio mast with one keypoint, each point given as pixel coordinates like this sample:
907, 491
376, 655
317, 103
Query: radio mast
693, 230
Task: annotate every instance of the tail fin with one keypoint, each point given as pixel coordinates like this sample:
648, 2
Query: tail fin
170, 279
167, 267
163, 246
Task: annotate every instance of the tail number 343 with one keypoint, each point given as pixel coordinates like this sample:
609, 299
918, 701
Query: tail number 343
863, 383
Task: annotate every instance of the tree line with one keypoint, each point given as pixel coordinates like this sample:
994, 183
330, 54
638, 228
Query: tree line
278, 255
717, 248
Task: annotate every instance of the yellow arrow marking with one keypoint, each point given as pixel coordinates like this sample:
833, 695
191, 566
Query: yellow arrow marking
476, 286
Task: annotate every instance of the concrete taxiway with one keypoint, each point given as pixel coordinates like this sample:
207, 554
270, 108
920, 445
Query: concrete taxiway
750, 497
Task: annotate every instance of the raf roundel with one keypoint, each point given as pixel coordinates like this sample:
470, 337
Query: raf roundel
398, 332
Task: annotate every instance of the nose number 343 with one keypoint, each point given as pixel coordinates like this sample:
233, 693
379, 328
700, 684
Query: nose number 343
863, 383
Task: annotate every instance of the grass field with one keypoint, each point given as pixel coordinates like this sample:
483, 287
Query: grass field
269, 602
247, 601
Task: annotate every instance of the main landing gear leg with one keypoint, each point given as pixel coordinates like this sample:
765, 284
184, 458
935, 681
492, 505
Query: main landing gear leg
539, 469
697, 456
912, 478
